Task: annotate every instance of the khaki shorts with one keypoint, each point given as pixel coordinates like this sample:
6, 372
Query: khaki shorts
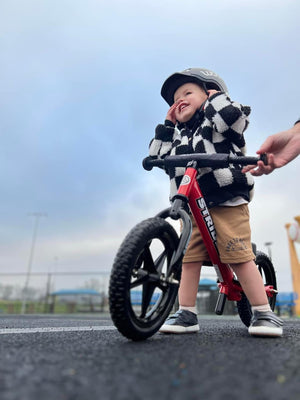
233, 236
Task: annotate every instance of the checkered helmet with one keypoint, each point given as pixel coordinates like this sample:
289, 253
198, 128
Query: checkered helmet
206, 78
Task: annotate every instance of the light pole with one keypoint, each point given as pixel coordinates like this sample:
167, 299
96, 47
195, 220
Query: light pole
268, 246
37, 216
293, 231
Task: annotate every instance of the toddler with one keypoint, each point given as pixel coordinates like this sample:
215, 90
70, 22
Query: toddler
203, 119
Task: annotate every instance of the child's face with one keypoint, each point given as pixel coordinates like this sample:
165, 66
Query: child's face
188, 99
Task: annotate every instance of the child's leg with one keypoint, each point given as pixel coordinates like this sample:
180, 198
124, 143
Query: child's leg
185, 319
189, 284
264, 322
234, 244
252, 283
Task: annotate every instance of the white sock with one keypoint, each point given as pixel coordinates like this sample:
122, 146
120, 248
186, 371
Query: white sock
262, 308
192, 309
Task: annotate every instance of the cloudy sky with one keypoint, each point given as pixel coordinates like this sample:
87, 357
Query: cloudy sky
80, 98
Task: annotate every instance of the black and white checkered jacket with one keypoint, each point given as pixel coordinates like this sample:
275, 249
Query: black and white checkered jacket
217, 128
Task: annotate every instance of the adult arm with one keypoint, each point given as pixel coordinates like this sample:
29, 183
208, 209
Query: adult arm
281, 148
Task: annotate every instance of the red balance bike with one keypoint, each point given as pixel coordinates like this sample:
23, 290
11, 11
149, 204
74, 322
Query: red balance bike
146, 272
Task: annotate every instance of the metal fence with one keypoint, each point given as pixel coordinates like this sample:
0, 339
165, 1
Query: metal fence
38, 296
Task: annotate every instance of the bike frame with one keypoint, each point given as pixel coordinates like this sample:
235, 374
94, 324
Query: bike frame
190, 193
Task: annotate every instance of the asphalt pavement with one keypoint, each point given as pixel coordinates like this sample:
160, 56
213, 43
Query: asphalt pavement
85, 357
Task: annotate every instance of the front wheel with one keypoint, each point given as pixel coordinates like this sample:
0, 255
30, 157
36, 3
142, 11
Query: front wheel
143, 288
267, 272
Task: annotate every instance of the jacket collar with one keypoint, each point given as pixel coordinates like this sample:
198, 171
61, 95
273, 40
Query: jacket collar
194, 122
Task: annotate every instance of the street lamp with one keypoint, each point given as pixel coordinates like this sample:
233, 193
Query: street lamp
37, 216
268, 246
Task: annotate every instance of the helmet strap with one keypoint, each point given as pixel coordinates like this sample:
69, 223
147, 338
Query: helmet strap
205, 88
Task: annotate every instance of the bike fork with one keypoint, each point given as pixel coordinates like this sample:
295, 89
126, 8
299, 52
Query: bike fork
185, 234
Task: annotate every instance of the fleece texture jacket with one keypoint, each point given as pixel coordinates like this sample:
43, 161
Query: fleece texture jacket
217, 127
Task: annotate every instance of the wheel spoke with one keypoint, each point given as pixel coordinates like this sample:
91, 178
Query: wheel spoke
139, 281
148, 259
148, 290
150, 267
159, 262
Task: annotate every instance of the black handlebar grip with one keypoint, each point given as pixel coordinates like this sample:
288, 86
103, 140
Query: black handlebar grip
264, 158
146, 164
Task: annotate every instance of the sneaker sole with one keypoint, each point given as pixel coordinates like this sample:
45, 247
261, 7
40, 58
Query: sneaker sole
179, 329
263, 331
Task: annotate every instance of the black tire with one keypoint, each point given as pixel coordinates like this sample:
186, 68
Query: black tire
267, 272
143, 262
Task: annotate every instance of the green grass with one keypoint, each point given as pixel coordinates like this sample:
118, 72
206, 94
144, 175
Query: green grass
37, 307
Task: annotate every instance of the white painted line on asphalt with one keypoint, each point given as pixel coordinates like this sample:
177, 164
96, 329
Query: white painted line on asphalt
56, 329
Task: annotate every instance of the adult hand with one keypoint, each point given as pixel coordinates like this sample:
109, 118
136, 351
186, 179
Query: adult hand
281, 148
261, 168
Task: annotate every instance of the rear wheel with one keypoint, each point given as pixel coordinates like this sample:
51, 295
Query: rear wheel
142, 287
267, 272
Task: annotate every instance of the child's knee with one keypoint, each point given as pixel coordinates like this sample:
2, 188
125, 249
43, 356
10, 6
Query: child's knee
191, 266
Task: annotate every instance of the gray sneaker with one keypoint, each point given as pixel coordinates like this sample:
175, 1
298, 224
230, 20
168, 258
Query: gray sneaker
183, 321
265, 324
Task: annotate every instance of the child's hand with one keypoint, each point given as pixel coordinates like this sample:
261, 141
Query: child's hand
171, 113
211, 92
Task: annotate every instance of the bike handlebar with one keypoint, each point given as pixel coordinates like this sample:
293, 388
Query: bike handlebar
203, 160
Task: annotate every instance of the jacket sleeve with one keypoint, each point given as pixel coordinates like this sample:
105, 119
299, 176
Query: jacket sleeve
161, 145
228, 118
